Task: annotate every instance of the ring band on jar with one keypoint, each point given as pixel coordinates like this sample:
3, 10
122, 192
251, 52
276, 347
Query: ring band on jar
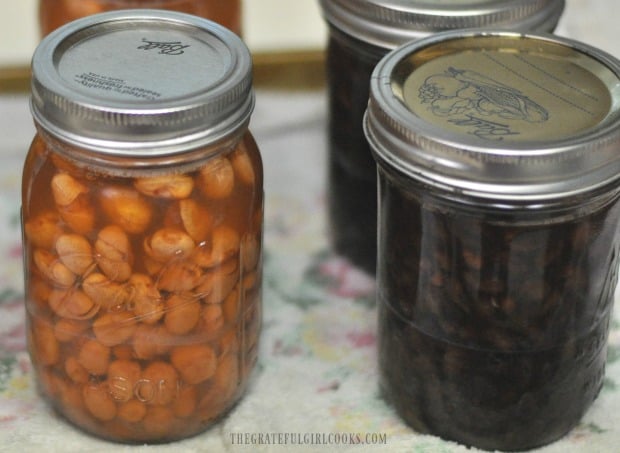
498, 245
142, 216
55, 13
360, 34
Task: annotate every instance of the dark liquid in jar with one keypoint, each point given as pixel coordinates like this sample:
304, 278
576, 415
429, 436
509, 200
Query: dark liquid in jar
493, 330
352, 174
143, 293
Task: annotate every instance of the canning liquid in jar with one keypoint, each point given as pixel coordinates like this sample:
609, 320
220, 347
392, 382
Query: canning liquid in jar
54, 13
360, 34
142, 208
499, 160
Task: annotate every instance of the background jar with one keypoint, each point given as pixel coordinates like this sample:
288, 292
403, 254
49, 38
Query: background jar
360, 34
54, 13
498, 241
142, 219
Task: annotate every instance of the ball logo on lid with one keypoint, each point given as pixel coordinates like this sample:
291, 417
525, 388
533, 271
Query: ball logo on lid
165, 48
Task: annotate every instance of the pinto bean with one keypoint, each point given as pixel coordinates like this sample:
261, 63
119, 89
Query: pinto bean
45, 347
43, 229
179, 276
70, 329
166, 186
195, 363
250, 252
185, 403
223, 245
167, 244
150, 342
126, 208
112, 329
217, 178
182, 314
159, 384
72, 304
53, 269
75, 252
75, 371
158, 421
231, 306
225, 382
71, 198
94, 357
105, 293
217, 283
147, 301
131, 411
79, 215
99, 402
66, 189
122, 378
114, 253
211, 322
243, 167
196, 219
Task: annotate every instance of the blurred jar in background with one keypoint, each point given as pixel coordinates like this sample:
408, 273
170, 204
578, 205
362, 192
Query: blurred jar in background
54, 13
361, 32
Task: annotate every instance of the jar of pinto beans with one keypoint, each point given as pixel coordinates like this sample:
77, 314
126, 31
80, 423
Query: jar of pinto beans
54, 13
142, 222
499, 212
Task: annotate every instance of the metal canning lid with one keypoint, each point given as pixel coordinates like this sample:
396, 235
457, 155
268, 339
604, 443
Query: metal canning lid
141, 83
390, 23
498, 114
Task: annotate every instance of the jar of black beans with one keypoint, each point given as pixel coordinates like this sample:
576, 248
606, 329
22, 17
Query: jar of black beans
499, 186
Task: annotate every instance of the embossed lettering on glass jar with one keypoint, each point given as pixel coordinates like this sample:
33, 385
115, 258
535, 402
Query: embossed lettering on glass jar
499, 177
142, 212
55, 13
361, 32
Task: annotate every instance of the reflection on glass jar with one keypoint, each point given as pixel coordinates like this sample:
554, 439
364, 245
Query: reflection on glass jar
360, 34
54, 13
142, 229
498, 232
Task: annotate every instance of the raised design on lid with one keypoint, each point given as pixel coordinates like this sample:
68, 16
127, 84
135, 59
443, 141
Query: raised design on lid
498, 114
507, 94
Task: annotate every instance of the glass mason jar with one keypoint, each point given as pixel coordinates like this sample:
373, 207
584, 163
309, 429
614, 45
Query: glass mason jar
142, 218
54, 13
360, 34
499, 181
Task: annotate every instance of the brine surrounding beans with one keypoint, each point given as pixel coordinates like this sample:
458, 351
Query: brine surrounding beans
143, 291
493, 325
55, 13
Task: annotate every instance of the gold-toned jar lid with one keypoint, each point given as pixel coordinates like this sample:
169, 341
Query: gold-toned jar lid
498, 114
142, 83
390, 23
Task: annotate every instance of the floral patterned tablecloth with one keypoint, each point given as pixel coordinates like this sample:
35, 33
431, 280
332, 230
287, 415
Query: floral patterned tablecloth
315, 386
317, 374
